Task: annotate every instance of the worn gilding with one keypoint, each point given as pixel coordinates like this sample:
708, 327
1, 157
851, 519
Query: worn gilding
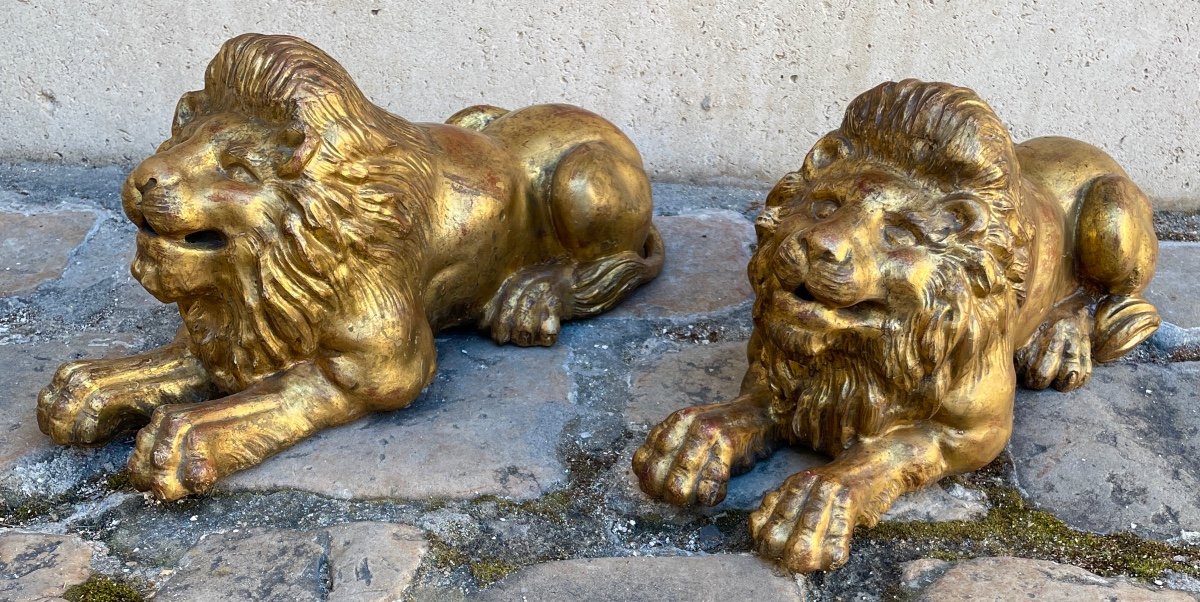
315, 242
916, 268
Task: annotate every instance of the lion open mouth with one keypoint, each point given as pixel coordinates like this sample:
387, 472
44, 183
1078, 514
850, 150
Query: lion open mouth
207, 239
798, 321
203, 240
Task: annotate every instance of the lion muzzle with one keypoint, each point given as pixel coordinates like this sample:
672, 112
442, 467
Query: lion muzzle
823, 268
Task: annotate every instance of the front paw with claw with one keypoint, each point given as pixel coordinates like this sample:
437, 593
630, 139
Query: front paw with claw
171, 459
87, 403
806, 524
689, 457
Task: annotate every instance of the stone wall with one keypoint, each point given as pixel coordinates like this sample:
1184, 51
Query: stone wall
709, 90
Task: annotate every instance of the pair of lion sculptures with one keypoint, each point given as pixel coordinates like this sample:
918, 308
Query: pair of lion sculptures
315, 242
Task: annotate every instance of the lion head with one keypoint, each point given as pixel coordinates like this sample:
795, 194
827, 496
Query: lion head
890, 259
279, 183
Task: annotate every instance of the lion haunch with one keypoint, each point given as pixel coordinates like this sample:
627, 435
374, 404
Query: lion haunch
315, 242
899, 272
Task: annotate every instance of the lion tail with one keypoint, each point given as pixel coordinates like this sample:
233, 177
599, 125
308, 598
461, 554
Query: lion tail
601, 284
476, 117
1122, 323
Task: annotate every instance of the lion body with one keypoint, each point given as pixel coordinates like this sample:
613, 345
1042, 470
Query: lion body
515, 222
899, 272
315, 242
834, 397
495, 195
1071, 228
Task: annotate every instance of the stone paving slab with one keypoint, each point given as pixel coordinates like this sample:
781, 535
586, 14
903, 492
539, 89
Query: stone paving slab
1175, 289
373, 561
704, 270
351, 562
718, 578
251, 564
40, 567
487, 426
35, 247
1006, 578
1121, 453
95, 289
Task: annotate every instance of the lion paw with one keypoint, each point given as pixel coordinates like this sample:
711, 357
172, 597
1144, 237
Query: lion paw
170, 459
1060, 354
87, 403
528, 309
686, 459
806, 524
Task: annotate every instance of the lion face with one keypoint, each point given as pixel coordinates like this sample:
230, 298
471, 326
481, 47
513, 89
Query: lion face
282, 197
848, 251
211, 184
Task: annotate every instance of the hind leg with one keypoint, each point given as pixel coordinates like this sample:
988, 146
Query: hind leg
599, 202
600, 206
1117, 250
600, 209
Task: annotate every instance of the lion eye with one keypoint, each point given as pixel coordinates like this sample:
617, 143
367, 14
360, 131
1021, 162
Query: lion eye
898, 236
237, 170
823, 208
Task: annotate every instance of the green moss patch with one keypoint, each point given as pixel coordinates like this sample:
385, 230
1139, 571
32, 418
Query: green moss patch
19, 514
554, 505
1013, 528
118, 481
490, 571
104, 589
444, 555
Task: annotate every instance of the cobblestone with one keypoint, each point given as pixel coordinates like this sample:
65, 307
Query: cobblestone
252, 564
704, 270
41, 567
35, 247
1175, 289
487, 426
704, 578
1119, 454
1021, 579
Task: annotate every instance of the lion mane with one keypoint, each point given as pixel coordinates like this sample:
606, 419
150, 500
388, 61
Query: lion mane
357, 184
950, 143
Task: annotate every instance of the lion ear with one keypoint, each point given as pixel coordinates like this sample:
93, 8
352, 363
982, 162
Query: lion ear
301, 143
767, 222
969, 214
189, 105
827, 151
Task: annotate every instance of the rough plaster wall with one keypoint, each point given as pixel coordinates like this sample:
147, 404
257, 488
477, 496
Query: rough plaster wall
707, 89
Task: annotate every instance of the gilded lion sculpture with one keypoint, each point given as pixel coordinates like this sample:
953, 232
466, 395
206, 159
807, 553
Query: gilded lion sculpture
315, 242
899, 272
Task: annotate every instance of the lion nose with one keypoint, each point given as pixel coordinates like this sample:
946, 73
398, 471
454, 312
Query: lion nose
147, 186
138, 194
147, 176
830, 246
152, 173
